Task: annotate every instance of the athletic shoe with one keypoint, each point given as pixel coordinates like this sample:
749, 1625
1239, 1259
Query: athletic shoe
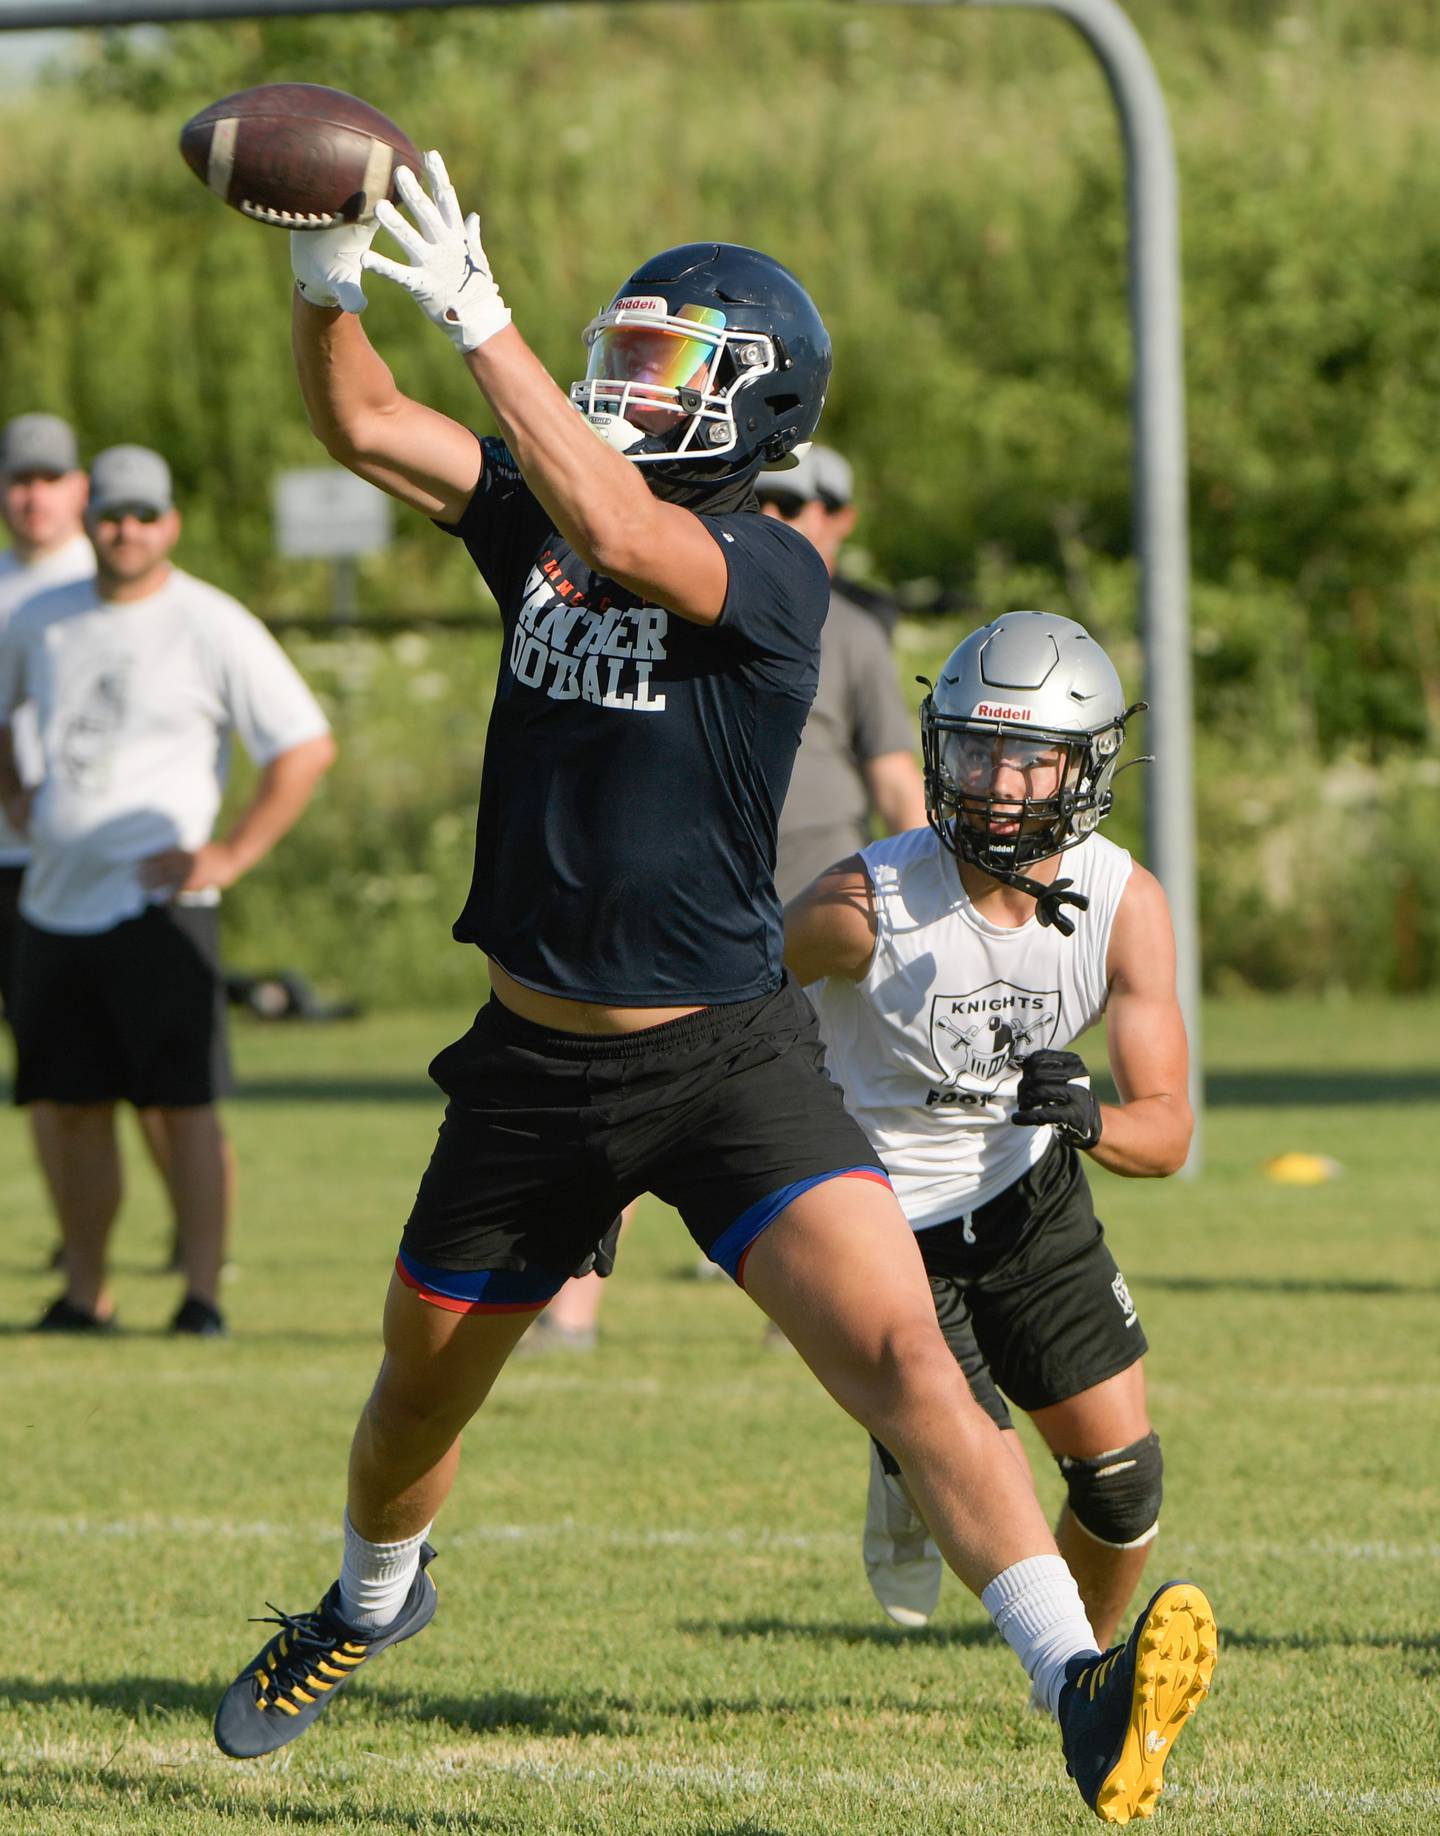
547, 1335
60, 1316
902, 1564
1120, 1714
199, 1318
290, 1682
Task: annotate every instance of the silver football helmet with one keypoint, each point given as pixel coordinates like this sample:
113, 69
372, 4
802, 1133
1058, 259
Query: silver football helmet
1021, 737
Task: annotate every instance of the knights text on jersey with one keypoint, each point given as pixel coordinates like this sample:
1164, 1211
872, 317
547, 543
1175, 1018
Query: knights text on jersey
928, 1047
636, 762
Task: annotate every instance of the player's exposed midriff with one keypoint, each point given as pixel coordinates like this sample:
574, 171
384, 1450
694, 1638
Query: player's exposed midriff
563, 1016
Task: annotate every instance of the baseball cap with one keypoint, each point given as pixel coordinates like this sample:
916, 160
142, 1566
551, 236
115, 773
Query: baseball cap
819, 473
128, 478
37, 443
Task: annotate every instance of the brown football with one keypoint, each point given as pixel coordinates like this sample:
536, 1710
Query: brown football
297, 155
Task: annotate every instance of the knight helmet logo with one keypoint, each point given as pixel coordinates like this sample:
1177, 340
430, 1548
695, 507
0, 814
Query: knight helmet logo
979, 1038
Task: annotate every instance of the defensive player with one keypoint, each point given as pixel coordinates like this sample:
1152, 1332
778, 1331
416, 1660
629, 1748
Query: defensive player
953, 981
661, 645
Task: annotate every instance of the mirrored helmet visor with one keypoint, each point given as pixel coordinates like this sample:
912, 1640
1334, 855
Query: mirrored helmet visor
648, 352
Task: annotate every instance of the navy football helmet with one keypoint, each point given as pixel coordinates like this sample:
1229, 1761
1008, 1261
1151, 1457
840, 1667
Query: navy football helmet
711, 362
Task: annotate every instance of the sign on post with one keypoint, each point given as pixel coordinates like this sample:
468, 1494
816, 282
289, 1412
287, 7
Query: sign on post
325, 513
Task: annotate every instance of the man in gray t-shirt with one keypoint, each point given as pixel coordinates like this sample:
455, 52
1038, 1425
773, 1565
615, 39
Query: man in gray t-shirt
856, 759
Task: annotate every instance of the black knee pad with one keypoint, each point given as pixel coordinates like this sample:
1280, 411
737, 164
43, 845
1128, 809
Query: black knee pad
1116, 1497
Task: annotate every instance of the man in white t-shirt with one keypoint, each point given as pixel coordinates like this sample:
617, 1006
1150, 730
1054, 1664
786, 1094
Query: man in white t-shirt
42, 505
138, 678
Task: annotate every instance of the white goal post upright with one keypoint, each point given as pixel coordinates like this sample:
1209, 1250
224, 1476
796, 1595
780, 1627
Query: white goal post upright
1160, 472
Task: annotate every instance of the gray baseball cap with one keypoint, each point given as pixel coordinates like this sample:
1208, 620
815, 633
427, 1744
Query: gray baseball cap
820, 473
37, 443
129, 478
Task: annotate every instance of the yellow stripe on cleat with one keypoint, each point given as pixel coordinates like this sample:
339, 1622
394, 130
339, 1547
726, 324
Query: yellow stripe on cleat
289, 1708
300, 1695
330, 1670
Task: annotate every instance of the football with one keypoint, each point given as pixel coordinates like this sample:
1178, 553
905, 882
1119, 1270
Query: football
297, 155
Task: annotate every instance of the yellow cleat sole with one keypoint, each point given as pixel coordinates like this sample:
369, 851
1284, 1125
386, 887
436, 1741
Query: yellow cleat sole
1178, 1649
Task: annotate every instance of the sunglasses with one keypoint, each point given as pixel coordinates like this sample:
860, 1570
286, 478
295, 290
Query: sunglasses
142, 513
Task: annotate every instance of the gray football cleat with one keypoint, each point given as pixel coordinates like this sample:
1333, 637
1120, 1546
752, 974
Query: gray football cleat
902, 1564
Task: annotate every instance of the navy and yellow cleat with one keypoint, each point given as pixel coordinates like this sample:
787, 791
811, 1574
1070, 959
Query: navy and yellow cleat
1120, 1714
289, 1684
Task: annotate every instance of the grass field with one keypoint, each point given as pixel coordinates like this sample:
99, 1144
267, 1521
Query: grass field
653, 1615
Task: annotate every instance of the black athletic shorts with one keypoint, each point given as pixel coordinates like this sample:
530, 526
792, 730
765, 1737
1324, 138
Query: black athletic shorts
1029, 1297
727, 1114
136, 1013
10, 878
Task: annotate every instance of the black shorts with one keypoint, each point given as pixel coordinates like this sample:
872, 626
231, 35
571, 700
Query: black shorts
727, 1114
1029, 1297
136, 1013
10, 878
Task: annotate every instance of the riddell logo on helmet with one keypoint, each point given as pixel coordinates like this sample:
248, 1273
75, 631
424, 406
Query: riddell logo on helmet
642, 302
991, 710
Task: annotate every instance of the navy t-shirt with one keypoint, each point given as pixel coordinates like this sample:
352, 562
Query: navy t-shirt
636, 762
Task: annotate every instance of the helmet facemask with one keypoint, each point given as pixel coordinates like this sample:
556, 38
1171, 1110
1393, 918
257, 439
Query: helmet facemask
662, 386
1004, 797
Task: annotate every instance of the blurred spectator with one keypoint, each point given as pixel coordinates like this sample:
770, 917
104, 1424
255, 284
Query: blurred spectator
42, 504
137, 679
856, 763
43, 490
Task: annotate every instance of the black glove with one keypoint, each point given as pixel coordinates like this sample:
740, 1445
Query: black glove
1049, 1094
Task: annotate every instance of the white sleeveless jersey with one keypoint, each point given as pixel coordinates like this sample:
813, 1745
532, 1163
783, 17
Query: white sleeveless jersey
928, 1046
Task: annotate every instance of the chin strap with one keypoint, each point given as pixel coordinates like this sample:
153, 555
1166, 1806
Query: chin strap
1049, 900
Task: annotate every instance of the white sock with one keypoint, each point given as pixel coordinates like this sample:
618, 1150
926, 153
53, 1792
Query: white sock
1037, 1610
376, 1577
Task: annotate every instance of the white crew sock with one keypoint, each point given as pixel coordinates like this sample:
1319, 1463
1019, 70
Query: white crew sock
1037, 1610
376, 1577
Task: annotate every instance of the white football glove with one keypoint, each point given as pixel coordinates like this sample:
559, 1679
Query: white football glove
448, 273
326, 263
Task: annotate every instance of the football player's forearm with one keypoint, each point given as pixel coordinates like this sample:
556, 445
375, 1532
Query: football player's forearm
1146, 1139
595, 497
344, 381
